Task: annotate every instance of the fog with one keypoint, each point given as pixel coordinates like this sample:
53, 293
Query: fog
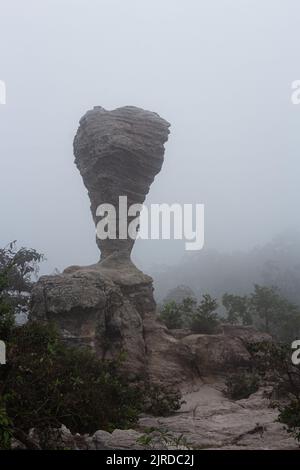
220, 71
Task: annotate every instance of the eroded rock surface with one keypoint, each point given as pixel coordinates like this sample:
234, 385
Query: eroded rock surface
210, 420
90, 309
118, 153
207, 420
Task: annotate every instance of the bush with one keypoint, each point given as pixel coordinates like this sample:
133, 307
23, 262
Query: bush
267, 310
237, 309
5, 428
171, 315
241, 385
273, 361
46, 384
161, 401
290, 416
205, 319
17, 268
201, 318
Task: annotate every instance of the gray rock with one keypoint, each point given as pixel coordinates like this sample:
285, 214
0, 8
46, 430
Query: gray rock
90, 309
118, 153
118, 439
215, 354
210, 420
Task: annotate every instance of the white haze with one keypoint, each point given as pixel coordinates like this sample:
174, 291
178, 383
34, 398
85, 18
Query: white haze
220, 71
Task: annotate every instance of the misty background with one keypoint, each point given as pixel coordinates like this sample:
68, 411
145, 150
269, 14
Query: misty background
220, 71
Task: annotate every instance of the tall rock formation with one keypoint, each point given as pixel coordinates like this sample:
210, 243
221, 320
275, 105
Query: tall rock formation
118, 153
109, 306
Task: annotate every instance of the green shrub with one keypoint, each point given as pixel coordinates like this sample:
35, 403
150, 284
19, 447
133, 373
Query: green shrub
274, 363
161, 438
267, 310
47, 384
201, 318
290, 416
5, 428
238, 309
161, 401
205, 319
241, 385
171, 315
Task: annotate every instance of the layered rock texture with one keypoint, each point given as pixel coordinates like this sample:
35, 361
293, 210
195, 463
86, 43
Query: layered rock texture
118, 153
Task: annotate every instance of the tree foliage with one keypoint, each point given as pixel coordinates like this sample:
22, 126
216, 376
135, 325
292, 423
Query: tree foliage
205, 318
237, 309
199, 317
273, 362
46, 383
267, 310
17, 269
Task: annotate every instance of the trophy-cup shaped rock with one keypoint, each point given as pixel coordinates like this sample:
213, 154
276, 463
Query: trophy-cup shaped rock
119, 153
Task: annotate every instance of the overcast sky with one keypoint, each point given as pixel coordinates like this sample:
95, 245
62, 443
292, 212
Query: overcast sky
220, 71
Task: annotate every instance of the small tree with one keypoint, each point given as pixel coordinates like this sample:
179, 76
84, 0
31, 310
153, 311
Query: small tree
188, 308
237, 309
275, 314
66, 385
171, 315
205, 318
17, 269
265, 303
178, 315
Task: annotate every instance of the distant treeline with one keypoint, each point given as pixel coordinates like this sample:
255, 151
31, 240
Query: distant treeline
275, 264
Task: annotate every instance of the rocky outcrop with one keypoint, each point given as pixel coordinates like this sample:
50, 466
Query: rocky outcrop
180, 358
90, 309
207, 420
169, 361
118, 153
109, 306
210, 420
217, 354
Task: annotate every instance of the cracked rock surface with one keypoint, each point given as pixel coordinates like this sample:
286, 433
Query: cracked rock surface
209, 420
